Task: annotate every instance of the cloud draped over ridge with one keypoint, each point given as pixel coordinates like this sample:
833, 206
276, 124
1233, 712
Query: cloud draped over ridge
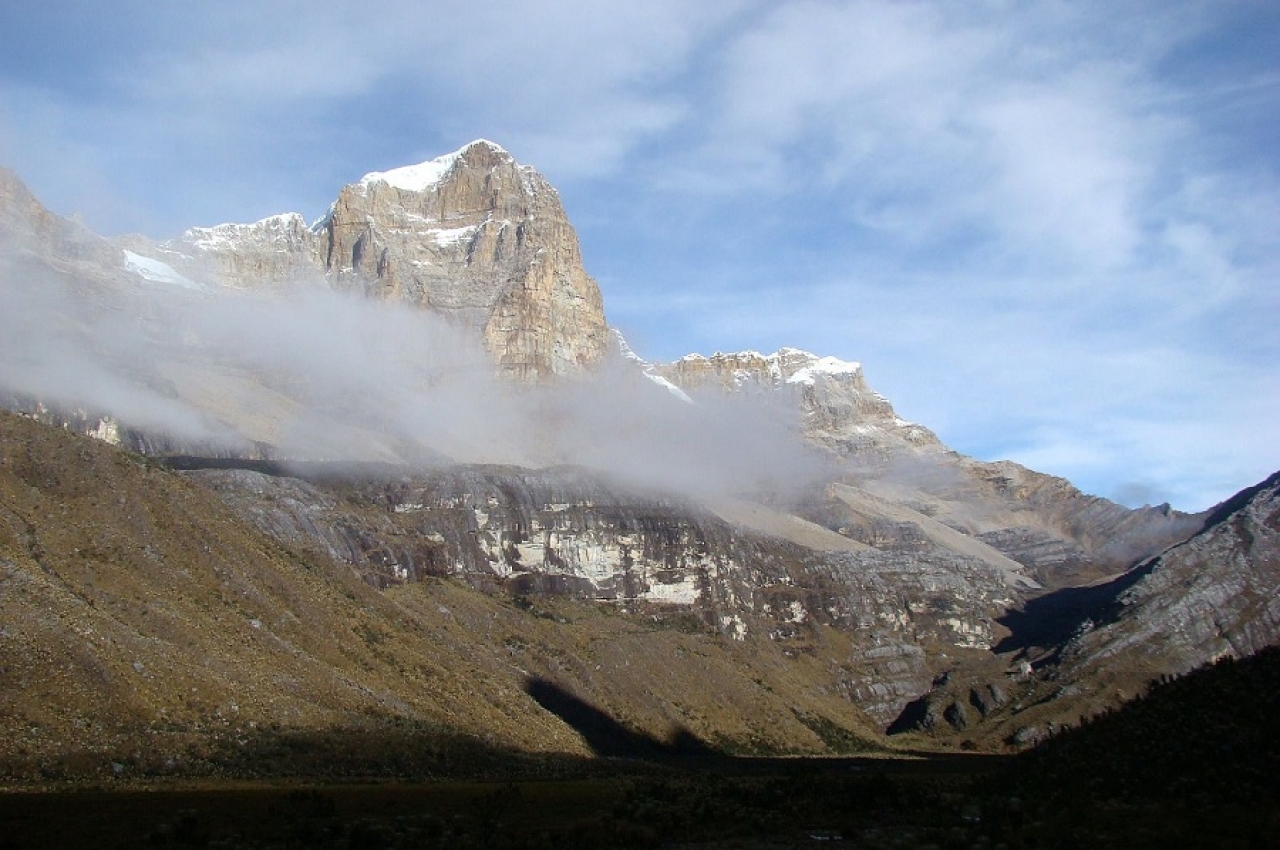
317, 374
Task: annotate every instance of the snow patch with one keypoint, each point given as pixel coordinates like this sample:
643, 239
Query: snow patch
424, 175
153, 270
668, 386
823, 366
448, 237
413, 178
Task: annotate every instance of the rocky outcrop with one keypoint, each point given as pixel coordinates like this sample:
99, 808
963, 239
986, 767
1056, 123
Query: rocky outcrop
473, 236
1216, 595
1068, 537
880, 617
1079, 651
26, 225
838, 410
483, 240
1004, 512
277, 249
559, 531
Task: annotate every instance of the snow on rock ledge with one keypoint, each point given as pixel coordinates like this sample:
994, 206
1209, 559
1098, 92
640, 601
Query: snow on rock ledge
838, 409
425, 175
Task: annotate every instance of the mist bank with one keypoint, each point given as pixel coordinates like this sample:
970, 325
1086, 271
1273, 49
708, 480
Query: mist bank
304, 372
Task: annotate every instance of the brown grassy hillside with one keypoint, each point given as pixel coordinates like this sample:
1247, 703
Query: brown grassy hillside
145, 630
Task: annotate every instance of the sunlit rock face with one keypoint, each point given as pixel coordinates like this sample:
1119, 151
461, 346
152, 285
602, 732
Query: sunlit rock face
875, 620
278, 249
1216, 595
1082, 650
910, 483
838, 410
473, 236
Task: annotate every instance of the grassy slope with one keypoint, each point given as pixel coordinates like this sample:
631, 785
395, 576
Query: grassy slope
1190, 765
144, 630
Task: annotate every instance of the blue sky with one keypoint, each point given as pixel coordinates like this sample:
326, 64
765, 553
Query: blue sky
1050, 231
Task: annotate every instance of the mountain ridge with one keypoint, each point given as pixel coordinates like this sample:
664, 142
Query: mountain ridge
480, 189
437, 325
465, 244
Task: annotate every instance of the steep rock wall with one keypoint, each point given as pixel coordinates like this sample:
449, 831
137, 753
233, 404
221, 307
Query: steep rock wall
879, 620
473, 236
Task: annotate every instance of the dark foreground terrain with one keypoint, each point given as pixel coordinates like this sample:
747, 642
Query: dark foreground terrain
709, 802
970, 801
1195, 763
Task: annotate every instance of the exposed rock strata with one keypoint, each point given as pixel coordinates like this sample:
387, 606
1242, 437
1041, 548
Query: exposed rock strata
839, 410
277, 249
1060, 535
569, 533
473, 236
1081, 650
1216, 595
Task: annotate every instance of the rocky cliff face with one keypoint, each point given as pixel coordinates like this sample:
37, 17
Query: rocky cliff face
919, 487
473, 236
1080, 650
277, 249
26, 225
1216, 595
839, 411
880, 617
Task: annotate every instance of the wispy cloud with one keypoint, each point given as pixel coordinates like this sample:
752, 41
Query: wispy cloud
315, 374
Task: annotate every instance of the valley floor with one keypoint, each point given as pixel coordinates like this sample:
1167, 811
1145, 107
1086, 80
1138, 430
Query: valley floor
704, 803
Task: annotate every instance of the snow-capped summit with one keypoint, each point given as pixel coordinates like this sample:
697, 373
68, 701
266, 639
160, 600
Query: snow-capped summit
280, 228
820, 366
471, 235
427, 175
748, 369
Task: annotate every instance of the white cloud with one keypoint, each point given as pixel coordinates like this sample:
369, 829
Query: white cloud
933, 125
1063, 179
576, 83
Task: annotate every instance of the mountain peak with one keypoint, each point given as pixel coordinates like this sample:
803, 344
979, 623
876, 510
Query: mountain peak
492, 147
838, 409
471, 235
426, 175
